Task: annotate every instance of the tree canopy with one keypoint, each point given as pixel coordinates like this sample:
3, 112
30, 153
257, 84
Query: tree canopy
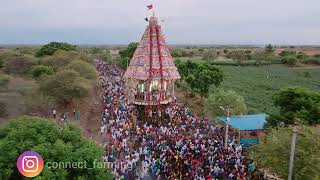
273, 152
52, 47
295, 103
40, 70
85, 69
129, 50
226, 98
126, 55
65, 86
203, 76
185, 67
54, 144
269, 48
60, 59
20, 64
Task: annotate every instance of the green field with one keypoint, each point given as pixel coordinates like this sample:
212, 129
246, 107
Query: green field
252, 83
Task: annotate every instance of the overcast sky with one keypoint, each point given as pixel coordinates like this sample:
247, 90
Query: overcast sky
186, 21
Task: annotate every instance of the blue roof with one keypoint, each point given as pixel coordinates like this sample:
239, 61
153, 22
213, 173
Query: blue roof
246, 122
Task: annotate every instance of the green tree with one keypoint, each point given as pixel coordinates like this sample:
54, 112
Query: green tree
273, 152
40, 70
226, 98
203, 77
122, 62
185, 67
54, 144
126, 55
296, 103
269, 48
85, 69
129, 50
52, 47
65, 86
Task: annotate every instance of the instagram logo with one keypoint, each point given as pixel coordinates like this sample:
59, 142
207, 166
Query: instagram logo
30, 164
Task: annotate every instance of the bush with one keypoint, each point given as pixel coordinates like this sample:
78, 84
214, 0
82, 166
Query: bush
19, 64
40, 70
302, 56
85, 70
289, 59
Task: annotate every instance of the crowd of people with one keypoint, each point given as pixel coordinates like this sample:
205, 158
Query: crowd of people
184, 147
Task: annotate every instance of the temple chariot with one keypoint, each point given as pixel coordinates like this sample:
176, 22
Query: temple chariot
150, 76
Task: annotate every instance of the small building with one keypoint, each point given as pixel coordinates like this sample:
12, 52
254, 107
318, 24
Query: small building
250, 126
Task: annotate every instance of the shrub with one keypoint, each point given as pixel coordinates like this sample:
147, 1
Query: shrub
85, 70
286, 53
289, 59
5, 55
302, 56
4, 80
65, 86
62, 59
40, 70
19, 64
209, 55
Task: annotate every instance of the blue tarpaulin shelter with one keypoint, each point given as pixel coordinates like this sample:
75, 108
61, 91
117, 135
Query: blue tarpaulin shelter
246, 122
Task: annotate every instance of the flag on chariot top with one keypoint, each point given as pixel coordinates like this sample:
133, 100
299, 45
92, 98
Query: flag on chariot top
150, 7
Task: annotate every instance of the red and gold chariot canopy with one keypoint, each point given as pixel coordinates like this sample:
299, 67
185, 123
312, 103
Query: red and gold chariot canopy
152, 58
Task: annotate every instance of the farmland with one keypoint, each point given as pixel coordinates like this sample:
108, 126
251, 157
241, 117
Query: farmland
257, 84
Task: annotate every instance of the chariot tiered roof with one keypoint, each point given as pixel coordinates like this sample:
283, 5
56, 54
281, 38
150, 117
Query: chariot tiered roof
156, 64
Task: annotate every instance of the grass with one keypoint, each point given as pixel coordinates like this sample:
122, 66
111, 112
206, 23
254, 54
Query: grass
258, 84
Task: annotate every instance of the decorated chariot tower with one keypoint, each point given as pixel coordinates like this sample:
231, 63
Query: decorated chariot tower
150, 76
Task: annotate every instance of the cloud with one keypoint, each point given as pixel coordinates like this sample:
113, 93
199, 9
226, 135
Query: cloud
186, 21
